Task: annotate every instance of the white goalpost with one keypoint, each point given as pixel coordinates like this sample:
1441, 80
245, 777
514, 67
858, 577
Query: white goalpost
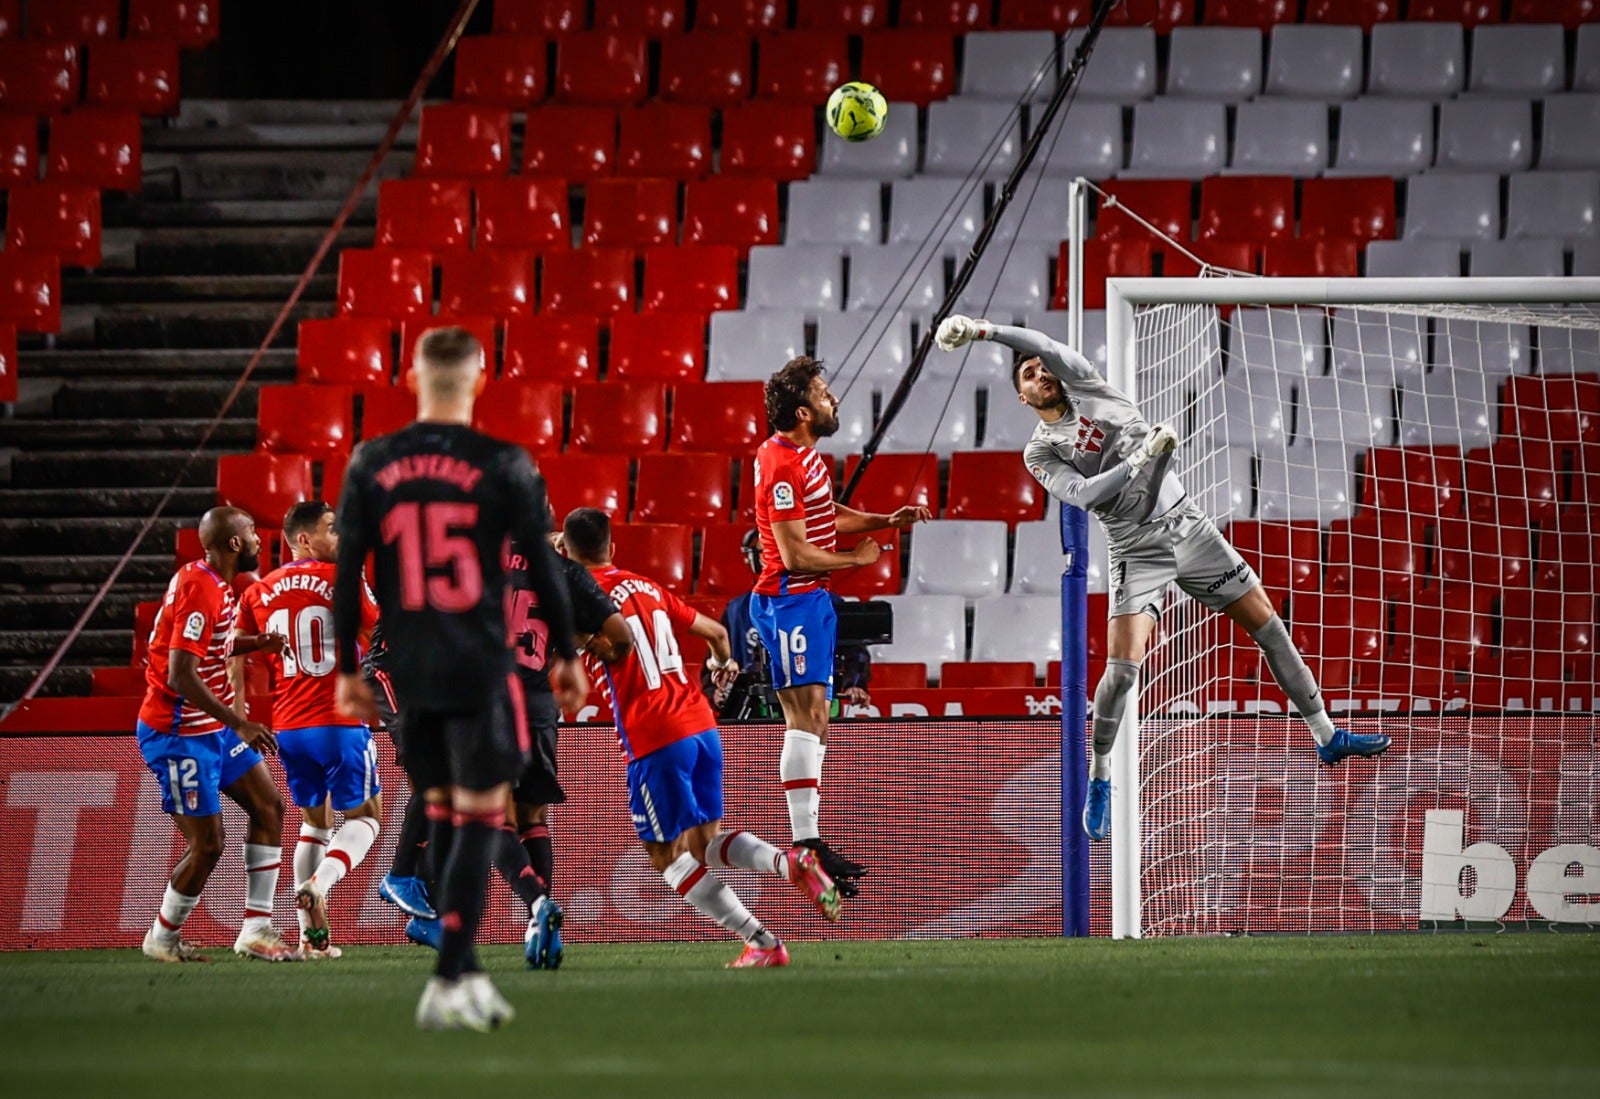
1412, 466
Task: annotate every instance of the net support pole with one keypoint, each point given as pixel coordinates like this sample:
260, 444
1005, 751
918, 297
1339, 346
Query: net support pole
1074, 711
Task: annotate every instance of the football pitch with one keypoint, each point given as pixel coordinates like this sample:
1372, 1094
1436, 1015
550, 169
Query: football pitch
1457, 1014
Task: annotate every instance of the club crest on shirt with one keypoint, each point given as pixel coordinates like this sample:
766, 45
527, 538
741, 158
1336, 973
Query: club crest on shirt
1089, 437
783, 496
195, 627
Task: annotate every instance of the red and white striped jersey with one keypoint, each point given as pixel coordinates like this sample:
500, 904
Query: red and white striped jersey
196, 616
792, 482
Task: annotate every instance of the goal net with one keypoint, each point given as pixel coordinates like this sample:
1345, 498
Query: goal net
1413, 469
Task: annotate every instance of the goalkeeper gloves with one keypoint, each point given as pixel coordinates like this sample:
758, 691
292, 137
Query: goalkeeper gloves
1161, 440
957, 331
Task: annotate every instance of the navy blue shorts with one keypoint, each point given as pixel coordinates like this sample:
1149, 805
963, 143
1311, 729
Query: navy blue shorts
799, 633
676, 788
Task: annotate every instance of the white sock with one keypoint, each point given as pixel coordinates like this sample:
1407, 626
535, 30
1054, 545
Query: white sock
747, 851
175, 908
346, 851
1321, 726
261, 864
308, 855
800, 768
707, 895
1101, 767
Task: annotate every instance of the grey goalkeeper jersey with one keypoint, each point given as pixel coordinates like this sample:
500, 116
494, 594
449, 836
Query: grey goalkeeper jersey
1080, 458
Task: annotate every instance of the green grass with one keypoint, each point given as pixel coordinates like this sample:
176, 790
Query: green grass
1515, 1014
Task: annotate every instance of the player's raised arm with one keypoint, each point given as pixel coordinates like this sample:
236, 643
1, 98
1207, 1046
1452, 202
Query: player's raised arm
1062, 361
850, 521
801, 555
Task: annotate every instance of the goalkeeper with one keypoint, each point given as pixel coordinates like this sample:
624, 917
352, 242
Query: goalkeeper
1093, 450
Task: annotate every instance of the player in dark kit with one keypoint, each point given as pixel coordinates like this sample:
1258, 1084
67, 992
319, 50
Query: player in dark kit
435, 502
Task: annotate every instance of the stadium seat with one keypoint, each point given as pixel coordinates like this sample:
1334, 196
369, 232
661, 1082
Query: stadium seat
613, 419
1256, 413
1485, 347
595, 281
1286, 556
718, 417
1518, 59
1313, 62
1563, 408
385, 409
657, 347
999, 620
1571, 14
1161, 15
9, 388
683, 488
979, 674
880, 578
464, 141
1246, 208
924, 207
1009, 426
1565, 350
30, 291
1414, 259
1569, 123
602, 67
769, 140
1469, 13
1347, 409
552, 348
1379, 346
664, 139
694, 278
1122, 66
1357, 208
1380, 135
1453, 206
895, 481
1557, 624
1525, 258
1310, 483
133, 76
433, 215
1416, 59
829, 211
751, 346
192, 24
385, 282
1178, 138
103, 148
1485, 135
265, 485
1513, 482
965, 557
1287, 339
523, 212
345, 351
890, 155
919, 66
630, 213
959, 16
575, 143
865, 347
19, 150
845, 15
1452, 408
1166, 204
894, 675
655, 18
496, 282
723, 569
1092, 146
1370, 556
1009, 65
928, 629
1421, 482
483, 326
740, 212
1553, 204
1214, 62
1440, 630
1052, 15
662, 551
1321, 257
501, 70
525, 413
1283, 136
940, 416
1102, 259
950, 149
123, 681
740, 15
38, 77
1491, 554
586, 481
1017, 279
1362, 13
304, 419
59, 218
1038, 561
1261, 14
1341, 636
993, 485
899, 276
802, 66
710, 69
1568, 562
984, 363
1586, 256
1224, 255
1586, 60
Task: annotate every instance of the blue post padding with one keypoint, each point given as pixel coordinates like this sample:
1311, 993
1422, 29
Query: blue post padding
1074, 709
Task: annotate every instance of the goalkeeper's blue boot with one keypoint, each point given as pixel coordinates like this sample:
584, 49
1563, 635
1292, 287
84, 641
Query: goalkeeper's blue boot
425, 932
409, 895
541, 944
1344, 745
1097, 809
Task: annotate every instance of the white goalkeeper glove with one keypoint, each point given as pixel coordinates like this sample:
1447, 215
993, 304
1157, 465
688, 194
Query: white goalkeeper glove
956, 331
1161, 440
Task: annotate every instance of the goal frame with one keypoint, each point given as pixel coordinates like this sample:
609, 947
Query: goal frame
1122, 296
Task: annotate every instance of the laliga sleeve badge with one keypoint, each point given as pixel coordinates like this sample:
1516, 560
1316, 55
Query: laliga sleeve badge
783, 496
195, 627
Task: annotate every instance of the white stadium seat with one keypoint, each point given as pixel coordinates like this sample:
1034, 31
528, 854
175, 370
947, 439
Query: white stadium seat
998, 621
745, 345
928, 629
965, 557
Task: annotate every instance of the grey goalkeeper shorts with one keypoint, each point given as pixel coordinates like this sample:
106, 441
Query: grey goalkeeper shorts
1183, 547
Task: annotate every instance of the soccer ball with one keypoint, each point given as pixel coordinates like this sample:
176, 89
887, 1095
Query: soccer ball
857, 111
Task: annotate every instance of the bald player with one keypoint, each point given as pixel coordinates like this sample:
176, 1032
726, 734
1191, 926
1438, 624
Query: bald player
1092, 449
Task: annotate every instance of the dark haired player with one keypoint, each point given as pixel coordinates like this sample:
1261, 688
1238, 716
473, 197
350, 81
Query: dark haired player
436, 502
1092, 449
799, 524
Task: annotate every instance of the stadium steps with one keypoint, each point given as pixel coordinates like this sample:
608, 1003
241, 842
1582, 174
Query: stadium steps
61, 503
87, 535
81, 574
66, 681
199, 324
59, 610
97, 469
150, 364
273, 174
175, 289
31, 648
241, 250
140, 212
77, 434
150, 399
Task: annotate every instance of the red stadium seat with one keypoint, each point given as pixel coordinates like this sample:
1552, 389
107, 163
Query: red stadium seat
657, 347
586, 481
386, 409
1484, 553
602, 67
882, 577
1361, 561
192, 24
959, 16
1231, 255
1418, 481
574, 143
740, 212
186, 548
1322, 257
1252, 208
596, 281
772, 140
501, 70
1362, 13
76, 20
740, 15
1564, 408
691, 279
481, 325
120, 681
525, 213
431, 214
664, 552
1286, 555
539, 16
134, 76
385, 282
888, 675
1514, 482
802, 66
910, 66
1569, 13
630, 213
894, 481
724, 417
1048, 15
331, 483
1535, 619
464, 141
30, 291
1102, 259
313, 420
345, 351
525, 413
144, 614
1165, 203
38, 77
10, 18
1163, 15
683, 488
986, 673
1568, 561
1264, 14
993, 484
664, 139
841, 15
8, 363
1469, 13
618, 419
1359, 207
723, 568
552, 348
497, 281
19, 149
652, 17
265, 485
1342, 637
61, 218
706, 68
1441, 629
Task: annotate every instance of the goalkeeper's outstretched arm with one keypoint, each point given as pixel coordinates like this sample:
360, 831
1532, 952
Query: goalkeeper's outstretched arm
1058, 358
